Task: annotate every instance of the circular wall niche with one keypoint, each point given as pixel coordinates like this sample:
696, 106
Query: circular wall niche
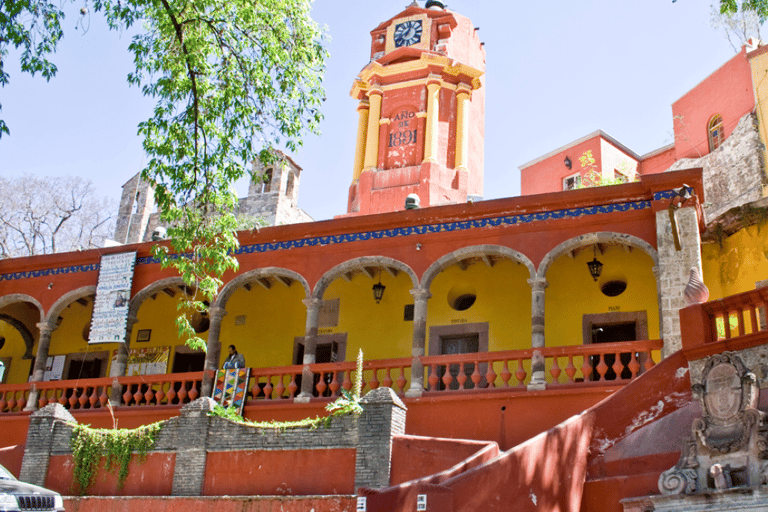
614, 287
461, 297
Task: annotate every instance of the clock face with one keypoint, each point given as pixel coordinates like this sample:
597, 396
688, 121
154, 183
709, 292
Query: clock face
407, 33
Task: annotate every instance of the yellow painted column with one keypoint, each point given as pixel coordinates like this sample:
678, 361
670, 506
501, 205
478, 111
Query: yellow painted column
372, 139
362, 127
433, 113
462, 127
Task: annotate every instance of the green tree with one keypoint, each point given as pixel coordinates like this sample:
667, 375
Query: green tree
734, 6
231, 78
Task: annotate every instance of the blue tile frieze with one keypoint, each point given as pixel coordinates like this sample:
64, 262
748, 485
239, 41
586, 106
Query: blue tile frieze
507, 220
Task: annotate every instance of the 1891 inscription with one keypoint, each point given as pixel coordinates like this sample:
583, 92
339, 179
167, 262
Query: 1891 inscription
404, 135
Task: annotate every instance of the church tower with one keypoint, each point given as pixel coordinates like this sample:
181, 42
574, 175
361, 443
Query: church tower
421, 112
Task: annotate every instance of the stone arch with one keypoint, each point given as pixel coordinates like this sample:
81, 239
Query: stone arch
602, 237
7, 300
254, 275
29, 339
358, 264
473, 252
138, 299
65, 300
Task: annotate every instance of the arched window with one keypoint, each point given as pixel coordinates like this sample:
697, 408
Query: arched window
289, 186
267, 184
715, 132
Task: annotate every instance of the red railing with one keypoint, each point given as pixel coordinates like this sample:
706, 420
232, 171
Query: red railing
574, 365
732, 317
563, 365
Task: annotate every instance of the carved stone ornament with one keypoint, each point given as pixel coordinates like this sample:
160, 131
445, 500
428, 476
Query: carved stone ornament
729, 442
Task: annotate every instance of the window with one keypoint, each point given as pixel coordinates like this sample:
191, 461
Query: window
715, 132
572, 182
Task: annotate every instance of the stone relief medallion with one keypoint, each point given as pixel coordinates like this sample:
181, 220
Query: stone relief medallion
722, 392
729, 442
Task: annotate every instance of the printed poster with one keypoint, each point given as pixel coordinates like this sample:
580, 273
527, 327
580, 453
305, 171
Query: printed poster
113, 293
147, 361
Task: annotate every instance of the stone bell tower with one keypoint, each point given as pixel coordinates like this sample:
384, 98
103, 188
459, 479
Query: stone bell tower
421, 112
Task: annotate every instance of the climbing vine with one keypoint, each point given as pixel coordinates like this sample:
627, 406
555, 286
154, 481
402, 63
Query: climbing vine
115, 446
347, 403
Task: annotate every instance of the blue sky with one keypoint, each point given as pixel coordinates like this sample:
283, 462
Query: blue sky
555, 71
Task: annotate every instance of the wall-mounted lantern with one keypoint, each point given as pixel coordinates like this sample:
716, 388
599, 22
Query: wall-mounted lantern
568, 163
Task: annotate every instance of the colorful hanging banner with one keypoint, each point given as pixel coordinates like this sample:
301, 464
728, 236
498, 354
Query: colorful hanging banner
113, 293
231, 387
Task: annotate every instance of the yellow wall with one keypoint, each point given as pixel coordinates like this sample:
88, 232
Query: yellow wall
738, 264
378, 329
274, 318
572, 292
14, 347
159, 315
503, 300
759, 67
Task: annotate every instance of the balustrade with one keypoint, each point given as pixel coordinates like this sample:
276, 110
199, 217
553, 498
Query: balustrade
574, 365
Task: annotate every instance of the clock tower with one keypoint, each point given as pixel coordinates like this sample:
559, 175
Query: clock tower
421, 112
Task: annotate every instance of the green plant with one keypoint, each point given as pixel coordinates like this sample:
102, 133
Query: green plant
115, 446
347, 403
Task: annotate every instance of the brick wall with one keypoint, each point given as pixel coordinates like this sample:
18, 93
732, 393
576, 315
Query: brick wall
193, 435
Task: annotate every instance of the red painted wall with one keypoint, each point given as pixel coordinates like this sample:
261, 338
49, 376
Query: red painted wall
11, 457
219, 504
547, 175
153, 477
288, 472
657, 162
727, 91
416, 457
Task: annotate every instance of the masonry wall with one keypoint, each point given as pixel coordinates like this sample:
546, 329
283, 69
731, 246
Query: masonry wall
199, 455
733, 173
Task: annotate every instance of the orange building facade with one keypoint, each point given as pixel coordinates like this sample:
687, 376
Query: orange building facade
526, 339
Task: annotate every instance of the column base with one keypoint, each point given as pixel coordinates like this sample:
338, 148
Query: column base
538, 382
302, 399
414, 393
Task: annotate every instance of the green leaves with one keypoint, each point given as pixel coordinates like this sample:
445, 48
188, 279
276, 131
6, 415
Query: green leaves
35, 26
733, 6
231, 79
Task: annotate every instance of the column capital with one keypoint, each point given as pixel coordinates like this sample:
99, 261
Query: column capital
464, 89
375, 91
420, 294
216, 313
538, 283
45, 327
434, 80
364, 105
312, 302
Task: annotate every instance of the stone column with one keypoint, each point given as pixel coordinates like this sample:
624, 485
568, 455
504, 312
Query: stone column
674, 270
372, 136
41, 359
212, 350
119, 365
310, 350
420, 298
191, 454
433, 117
463, 94
538, 377
383, 417
47, 431
362, 127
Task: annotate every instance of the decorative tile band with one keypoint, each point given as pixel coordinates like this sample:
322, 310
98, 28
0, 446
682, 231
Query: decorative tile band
507, 220
49, 272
